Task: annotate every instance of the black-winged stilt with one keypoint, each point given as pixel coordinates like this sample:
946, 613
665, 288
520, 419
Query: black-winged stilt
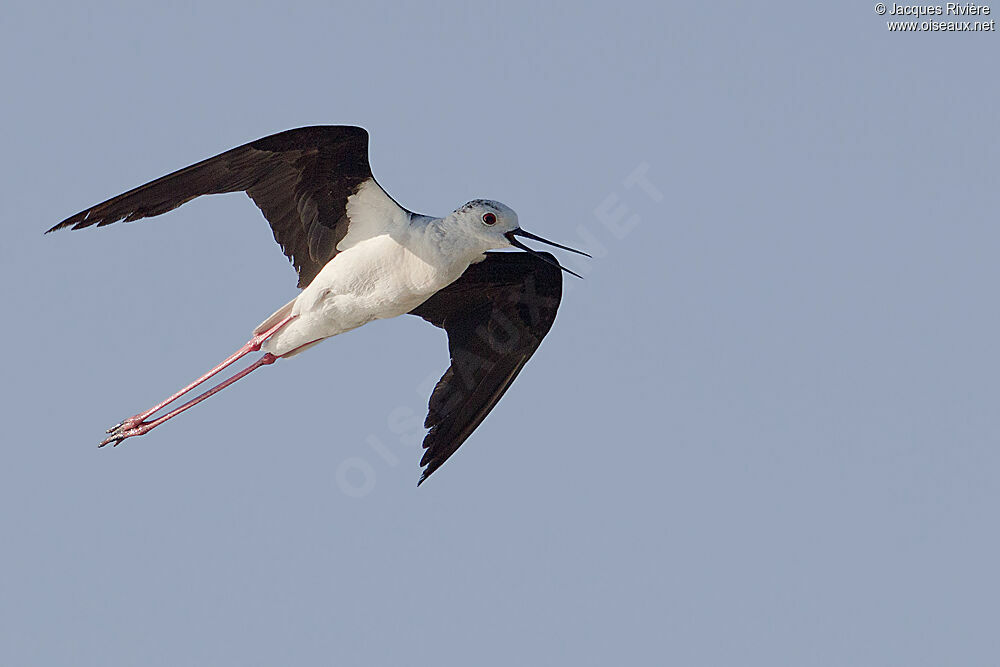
360, 256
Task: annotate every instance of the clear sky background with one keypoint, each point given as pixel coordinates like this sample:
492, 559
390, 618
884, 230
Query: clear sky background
763, 431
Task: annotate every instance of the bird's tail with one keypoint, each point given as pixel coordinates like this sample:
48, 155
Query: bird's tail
278, 315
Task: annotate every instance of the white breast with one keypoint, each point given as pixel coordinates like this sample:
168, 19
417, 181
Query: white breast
387, 266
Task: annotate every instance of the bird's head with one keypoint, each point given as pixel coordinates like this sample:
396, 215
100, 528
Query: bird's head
487, 221
495, 226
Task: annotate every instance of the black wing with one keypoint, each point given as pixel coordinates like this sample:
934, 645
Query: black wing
300, 179
496, 315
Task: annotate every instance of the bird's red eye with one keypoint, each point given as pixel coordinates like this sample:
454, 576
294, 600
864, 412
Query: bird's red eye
489, 219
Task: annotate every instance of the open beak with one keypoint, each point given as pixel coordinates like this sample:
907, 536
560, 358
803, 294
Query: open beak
528, 235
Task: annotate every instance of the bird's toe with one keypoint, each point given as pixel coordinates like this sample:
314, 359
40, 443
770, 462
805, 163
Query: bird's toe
123, 431
125, 425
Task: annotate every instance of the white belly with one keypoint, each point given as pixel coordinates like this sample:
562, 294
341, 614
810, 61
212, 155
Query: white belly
374, 279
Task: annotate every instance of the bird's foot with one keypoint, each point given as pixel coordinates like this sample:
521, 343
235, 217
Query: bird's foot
129, 428
126, 424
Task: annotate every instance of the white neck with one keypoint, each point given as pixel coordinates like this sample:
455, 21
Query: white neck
440, 241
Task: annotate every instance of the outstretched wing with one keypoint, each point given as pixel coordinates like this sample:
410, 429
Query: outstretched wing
300, 179
496, 315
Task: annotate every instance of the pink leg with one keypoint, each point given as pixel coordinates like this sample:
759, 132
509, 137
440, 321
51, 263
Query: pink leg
253, 345
146, 427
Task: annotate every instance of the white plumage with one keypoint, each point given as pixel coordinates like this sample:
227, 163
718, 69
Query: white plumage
389, 263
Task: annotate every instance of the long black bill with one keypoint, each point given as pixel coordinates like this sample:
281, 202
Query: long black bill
528, 235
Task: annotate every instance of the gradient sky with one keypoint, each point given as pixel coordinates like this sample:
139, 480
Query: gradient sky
763, 430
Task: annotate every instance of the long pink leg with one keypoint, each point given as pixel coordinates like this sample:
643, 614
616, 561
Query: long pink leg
253, 345
146, 427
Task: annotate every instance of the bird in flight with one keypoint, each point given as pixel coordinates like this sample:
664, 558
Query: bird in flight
360, 256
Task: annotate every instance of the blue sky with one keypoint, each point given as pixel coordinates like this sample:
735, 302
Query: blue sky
763, 429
